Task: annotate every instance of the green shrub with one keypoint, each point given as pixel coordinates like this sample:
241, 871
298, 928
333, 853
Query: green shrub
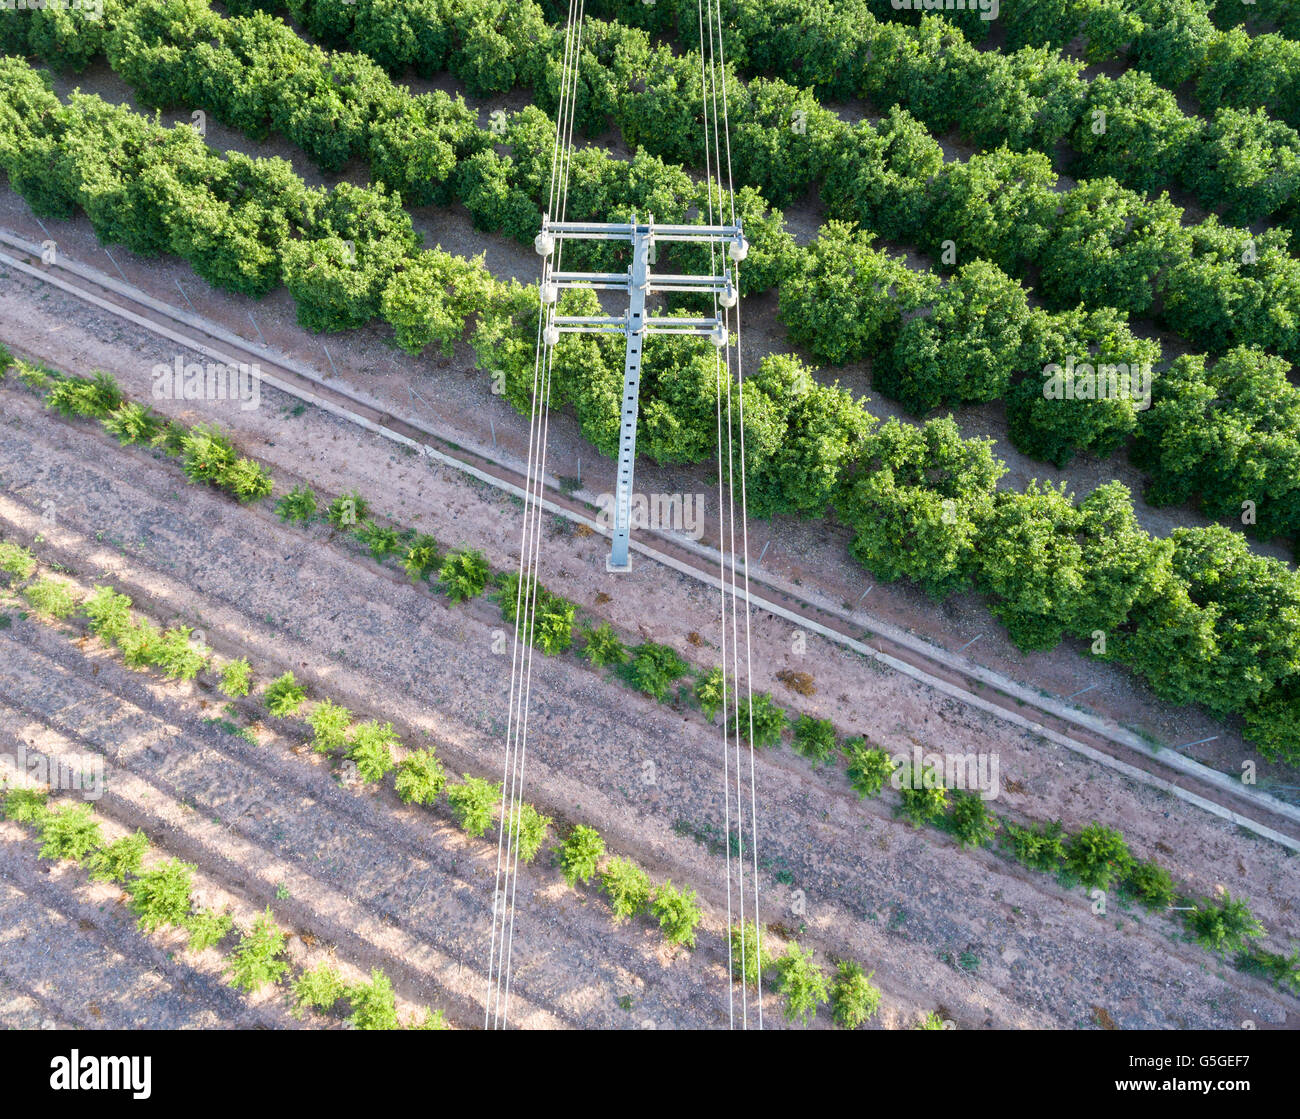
374, 1006
923, 797
1282, 970
1245, 164
51, 599
1097, 856
35, 377
473, 803
678, 914
553, 627
132, 423
119, 859
207, 455
464, 574
801, 983
510, 598
602, 647
434, 295
318, 988
177, 656
16, 560
420, 777
329, 724
247, 481
109, 613
869, 767
844, 298
854, 999
237, 678
284, 696
371, 747
1223, 926
713, 693
760, 716
1039, 846
69, 831
140, 643
653, 669
422, 558
627, 886
347, 511
531, 827
299, 504
207, 929
160, 896
170, 438
78, 396
580, 853
256, 959
971, 821
380, 540
930, 1021
749, 955
552, 615
1151, 884
814, 739
26, 806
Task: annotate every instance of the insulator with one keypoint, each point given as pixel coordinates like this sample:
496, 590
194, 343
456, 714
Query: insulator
719, 336
739, 248
550, 292
544, 243
551, 335
729, 297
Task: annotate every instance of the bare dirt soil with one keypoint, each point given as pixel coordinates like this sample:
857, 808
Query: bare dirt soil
991, 943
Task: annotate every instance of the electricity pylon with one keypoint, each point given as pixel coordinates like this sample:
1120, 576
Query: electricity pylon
639, 282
